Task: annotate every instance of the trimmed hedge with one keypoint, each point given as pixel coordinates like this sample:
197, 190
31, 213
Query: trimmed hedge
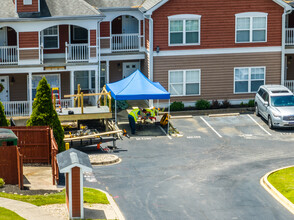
2, 183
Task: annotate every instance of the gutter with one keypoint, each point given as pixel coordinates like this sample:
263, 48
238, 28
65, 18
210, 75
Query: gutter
286, 12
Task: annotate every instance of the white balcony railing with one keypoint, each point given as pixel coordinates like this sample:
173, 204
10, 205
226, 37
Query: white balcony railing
289, 38
76, 53
8, 55
16, 108
125, 42
289, 84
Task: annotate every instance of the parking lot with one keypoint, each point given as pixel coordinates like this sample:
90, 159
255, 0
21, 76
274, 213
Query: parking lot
211, 172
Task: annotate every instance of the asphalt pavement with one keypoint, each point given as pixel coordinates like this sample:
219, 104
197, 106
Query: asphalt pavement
212, 172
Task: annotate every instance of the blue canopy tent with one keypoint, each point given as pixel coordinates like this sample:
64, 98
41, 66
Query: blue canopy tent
137, 87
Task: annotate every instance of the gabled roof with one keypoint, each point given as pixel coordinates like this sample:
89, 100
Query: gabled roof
103, 4
73, 158
148, 4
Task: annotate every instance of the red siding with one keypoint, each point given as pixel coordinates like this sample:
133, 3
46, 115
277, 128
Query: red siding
28, 39
105, 29
63, 37
142, 27
147, 33
217, 22
28, 8
76, 193
92, 37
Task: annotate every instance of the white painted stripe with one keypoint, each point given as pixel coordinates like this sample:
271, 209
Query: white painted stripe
218, 51
262, 128
165, 132
210, 127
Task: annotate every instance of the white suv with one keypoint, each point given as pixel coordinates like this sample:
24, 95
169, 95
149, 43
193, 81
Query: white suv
275, 103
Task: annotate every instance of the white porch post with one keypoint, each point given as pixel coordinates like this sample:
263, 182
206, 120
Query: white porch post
97, 84
72, 86
107, 71
30, 93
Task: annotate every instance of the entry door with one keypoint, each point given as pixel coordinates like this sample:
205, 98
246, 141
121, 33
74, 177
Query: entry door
129, 68
3, 36
4, 95
130, 25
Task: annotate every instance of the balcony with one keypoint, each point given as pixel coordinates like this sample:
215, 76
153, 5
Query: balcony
8, 55
125, 42
76, 53
289, 38
289, 84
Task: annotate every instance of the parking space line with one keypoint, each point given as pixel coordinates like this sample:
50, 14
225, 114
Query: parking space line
165, 132
210, 127
262, 128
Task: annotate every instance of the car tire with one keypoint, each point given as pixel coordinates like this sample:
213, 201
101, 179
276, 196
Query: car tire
257, 110
270, 122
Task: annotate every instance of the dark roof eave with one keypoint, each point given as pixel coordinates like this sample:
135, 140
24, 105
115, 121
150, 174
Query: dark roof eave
55, 18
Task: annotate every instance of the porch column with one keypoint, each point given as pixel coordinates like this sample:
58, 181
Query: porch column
72, 86
107, 71
30, 93
97, 84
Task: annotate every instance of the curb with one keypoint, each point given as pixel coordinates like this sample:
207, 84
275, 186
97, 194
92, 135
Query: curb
224, 115
104, 161
118, 160
113, 204
274, 192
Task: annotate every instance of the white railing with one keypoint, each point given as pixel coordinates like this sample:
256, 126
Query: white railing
289, 38
16, 108
8, 55
125, 42
289, 84
66, 103
76, 52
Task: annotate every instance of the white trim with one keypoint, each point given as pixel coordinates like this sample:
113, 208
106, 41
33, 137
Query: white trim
283, 4
218, 51
54, 55
251, 15
70, 193
8, 92
183, 18
27, 2
124, 57
249, 78
185, 83
54, 35
82, 167
82, 193
149, 12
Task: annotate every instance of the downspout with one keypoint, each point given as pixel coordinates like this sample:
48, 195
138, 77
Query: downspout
150, 50
283, 45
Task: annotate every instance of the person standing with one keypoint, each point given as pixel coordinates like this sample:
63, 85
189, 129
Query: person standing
133, 117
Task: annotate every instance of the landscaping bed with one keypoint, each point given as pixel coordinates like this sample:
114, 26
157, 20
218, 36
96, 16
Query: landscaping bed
14, 189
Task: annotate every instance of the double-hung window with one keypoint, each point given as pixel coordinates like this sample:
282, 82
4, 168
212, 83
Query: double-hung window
248, 79
51, 38
184, 82
251, 27
184, 30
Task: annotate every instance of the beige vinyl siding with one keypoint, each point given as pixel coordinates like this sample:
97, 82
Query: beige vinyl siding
105, 43
29, 54
217, 72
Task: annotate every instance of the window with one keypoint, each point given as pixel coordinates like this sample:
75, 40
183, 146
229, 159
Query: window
51, 38
52, 79
184, 82
249, 79
80, 34
184, 29
27, 2
251, 27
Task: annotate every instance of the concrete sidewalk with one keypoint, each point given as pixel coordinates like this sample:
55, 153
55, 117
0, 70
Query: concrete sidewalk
26, 210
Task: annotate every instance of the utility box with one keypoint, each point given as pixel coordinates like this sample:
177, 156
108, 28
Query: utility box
7, 137
74, 163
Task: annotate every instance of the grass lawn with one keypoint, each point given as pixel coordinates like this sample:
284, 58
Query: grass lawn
6, 214
283, 181
90, 196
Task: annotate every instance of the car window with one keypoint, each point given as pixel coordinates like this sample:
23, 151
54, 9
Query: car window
280, 101
260, 92
265, 96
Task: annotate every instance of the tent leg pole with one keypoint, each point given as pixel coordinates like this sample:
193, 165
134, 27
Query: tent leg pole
168, 117
115, 114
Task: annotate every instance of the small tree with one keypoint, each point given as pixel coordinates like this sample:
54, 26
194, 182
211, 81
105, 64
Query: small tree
3, 120
44, 113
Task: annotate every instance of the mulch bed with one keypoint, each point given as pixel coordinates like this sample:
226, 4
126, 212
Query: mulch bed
14, 189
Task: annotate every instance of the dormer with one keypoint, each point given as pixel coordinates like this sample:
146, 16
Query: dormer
27, 6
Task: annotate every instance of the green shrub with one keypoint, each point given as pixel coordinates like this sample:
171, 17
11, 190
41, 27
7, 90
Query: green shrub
215, 104
44, 113
251, 103
2, 183
120, 104
177, 106
226, 104
202, 104
3, 120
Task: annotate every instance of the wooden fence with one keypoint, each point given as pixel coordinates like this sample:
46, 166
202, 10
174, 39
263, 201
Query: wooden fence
34, 143
54, 152
11, 165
